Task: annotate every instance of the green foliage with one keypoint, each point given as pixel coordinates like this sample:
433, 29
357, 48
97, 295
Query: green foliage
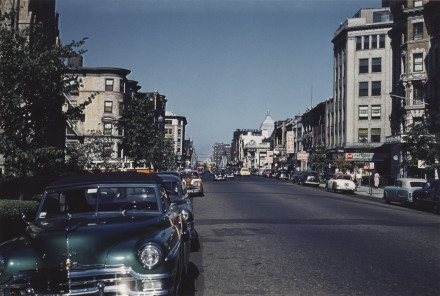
32, 87
319, 157
141, 137
419, 144
13, 209
168, 156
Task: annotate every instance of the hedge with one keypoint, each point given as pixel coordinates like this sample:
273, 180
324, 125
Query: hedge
11, 223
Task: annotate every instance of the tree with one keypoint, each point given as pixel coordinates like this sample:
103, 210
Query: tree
32, 88
419, 144
141, 131
319, 157
341, 163
168, 156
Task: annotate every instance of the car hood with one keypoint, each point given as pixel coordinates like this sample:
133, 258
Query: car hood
87, 239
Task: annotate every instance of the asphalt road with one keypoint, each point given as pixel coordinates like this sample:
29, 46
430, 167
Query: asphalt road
262, 236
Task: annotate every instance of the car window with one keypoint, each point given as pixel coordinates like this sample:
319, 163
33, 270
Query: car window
164, 198
69, 201
417, 184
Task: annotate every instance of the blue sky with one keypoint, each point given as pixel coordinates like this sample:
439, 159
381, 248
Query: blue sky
220, 63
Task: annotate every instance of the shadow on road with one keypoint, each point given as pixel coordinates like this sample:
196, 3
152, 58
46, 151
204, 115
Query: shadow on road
188, 286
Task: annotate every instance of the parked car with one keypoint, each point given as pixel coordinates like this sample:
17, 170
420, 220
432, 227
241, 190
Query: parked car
282, 175
341, 182
194, 184
245, 172
177, 194
266, 173
306, 178
229, 174
295, 177
428, 196
402, 190
96, 234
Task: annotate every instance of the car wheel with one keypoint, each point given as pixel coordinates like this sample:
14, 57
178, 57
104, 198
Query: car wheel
385, 199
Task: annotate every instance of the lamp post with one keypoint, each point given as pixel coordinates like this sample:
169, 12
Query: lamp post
159, 125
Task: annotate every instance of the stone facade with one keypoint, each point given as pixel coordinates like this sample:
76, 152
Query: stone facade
175, 127
360, 109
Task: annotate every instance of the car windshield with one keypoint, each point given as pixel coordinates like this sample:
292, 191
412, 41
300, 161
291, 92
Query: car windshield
85, 200
172, 187
190, 175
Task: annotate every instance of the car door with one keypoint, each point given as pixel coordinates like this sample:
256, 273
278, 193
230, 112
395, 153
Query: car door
392, 193
402, 192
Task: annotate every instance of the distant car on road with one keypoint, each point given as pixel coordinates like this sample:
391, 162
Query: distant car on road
341, 182
245, 172
194, 184
402, 190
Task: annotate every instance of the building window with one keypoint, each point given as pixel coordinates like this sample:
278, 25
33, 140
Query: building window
363, 89
108, 128
382, 41
122, 86
417, 94
375, 135
375, 111
374, 41
418, 31
109, 84
363, 112
417, 120
359, 43
376, 65
418, 3
363, 66
376, 88
418, 61
108, 107
366, 42
120, 131
363, 135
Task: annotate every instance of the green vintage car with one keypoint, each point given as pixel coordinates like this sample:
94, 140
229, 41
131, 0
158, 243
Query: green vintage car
99, 234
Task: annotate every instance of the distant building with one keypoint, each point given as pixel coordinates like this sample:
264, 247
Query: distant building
221, 150
175, 127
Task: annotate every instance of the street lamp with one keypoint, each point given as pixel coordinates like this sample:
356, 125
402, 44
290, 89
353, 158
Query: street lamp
159, 125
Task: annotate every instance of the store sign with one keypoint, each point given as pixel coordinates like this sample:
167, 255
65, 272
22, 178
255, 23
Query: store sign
365, 156
290, 142
396, 139
302, 156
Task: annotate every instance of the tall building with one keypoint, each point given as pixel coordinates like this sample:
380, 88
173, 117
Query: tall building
358, 116
221, 150
31, 12
112, 91
175, 127
416, 50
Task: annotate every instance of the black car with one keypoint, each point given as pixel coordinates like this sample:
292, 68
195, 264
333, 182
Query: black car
428, 196
99, 234
306, 178
282, 175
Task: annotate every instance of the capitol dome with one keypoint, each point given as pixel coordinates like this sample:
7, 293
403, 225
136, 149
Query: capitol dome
267, 126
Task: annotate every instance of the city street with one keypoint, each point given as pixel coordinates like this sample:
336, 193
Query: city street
262, 236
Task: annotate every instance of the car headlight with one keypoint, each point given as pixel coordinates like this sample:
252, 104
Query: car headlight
185, 215
2, 264
150, 256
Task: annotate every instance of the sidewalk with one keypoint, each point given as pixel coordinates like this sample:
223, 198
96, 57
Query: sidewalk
365, 191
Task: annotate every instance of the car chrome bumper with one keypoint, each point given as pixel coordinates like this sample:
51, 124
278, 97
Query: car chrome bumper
90, 280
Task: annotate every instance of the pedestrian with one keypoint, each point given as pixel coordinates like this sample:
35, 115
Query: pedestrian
359, 179
376, 180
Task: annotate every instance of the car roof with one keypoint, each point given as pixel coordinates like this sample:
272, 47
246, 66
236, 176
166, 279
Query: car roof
106, 178
168, 177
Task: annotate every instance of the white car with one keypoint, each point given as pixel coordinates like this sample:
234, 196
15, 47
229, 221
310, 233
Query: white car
402, 190
341, 182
